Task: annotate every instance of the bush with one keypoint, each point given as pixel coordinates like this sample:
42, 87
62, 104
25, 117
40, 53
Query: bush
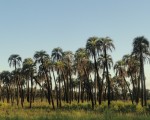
140, 109
117, 106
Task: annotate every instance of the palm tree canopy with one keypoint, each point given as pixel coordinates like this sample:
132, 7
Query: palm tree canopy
57, 54
28, 61
80, 54
39, 56
68, 56
14, 60
5, 77
141, 45
60, 65
119, 67
102, 60
106, 43
81, 59
47, 63
131, 63
28, 65
92, 45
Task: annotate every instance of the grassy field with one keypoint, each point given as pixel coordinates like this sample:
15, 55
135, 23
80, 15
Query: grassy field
42, 111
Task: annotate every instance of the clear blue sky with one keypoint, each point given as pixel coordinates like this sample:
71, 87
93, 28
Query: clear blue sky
27, 26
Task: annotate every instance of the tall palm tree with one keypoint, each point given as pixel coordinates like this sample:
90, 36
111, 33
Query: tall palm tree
80, 54
101, 63
107, 45
29, 68
141, 50
15, 60
132, 67
92, 46
68, 60
121, 87
119, 67
20, 83
60, 66
56, 56
82, 62
40, 57
6, 78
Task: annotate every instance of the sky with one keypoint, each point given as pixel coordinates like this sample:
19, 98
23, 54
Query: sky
27, 26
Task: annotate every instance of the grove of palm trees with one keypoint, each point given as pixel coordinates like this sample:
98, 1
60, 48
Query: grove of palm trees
88, 79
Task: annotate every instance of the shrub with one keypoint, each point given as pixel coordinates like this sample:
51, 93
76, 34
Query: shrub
140, 109
120, 106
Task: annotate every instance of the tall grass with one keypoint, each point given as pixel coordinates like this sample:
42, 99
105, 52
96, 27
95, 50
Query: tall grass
42, 111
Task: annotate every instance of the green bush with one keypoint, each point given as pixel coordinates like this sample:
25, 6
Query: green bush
140, 109
121, 106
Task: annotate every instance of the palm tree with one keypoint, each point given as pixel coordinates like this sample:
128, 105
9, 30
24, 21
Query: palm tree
15, 60
6, 78
14, 85
20, 84
101, 63
56, 56
141, 50
121, 87
119, 67
132, 67
107, 44
29, 69
41, 57
92, 46
79, 55
68, 60
82, 62
59, 66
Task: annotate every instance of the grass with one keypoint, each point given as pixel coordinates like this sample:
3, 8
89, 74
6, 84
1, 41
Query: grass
42, 111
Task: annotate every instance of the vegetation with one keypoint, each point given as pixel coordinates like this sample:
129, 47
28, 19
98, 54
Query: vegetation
41, 110
77, 81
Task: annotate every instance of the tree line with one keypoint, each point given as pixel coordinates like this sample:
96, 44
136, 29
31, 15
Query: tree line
81, 76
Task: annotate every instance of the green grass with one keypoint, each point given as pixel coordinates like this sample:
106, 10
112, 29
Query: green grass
42, 111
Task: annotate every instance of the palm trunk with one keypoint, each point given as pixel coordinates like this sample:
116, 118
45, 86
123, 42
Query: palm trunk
79, 94
31, 95
55, 86
128, 89
18, 92
22, 96
101, 90
145, 94
98, 77
89, 86
133, 89
141, 78
95, 88
107, 77
138, 91
59, 92
144, 87
49, 91
8, 94
28, 92
70, 93
65, 91
82, 92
